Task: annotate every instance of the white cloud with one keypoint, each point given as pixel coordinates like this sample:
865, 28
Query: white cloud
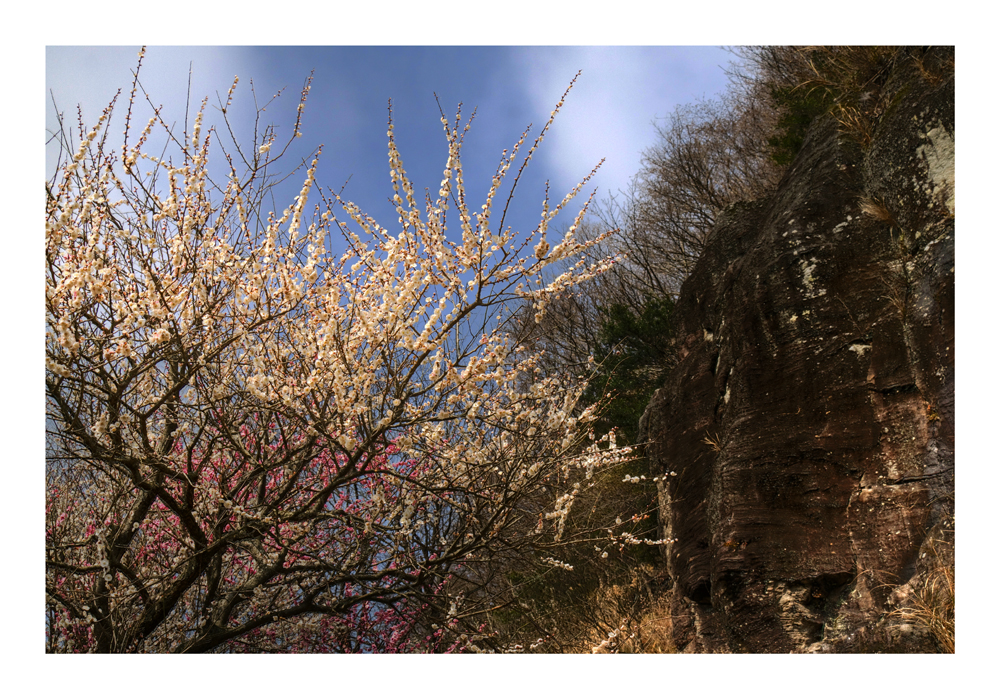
610, 112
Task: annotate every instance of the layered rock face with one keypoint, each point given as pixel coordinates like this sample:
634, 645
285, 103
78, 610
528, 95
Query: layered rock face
807, 432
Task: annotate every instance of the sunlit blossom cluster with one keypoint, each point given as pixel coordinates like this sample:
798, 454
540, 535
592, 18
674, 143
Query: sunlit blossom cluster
260, 439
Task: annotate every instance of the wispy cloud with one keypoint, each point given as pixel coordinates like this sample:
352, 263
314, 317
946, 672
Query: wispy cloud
611, 110
608, 115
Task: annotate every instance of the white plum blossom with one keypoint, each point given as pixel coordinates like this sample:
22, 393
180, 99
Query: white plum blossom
257, 415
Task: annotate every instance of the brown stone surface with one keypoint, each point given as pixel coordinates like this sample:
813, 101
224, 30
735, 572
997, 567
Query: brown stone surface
810, 419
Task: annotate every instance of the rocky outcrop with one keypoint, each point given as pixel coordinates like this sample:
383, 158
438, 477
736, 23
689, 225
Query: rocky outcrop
806, 434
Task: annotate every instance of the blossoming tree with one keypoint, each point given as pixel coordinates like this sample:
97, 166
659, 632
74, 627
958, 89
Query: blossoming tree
257, 443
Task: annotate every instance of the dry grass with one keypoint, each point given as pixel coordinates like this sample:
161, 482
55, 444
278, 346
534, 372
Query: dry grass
627, 615
655, 629
932, 605
877, 210
855, 122
853, 73
933, 75
648, 631
625, 612
897, 288
713, 441
853, 76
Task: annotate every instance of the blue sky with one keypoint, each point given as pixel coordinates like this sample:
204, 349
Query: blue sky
89, 75
609, 114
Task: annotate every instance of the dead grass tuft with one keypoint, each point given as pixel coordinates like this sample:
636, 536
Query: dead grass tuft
932, 605
649, 631
877, 210
714, 442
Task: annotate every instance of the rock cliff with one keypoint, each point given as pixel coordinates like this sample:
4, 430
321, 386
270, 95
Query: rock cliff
807, 431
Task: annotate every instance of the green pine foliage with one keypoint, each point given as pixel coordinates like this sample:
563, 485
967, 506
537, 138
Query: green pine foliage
799, 108
634, 351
